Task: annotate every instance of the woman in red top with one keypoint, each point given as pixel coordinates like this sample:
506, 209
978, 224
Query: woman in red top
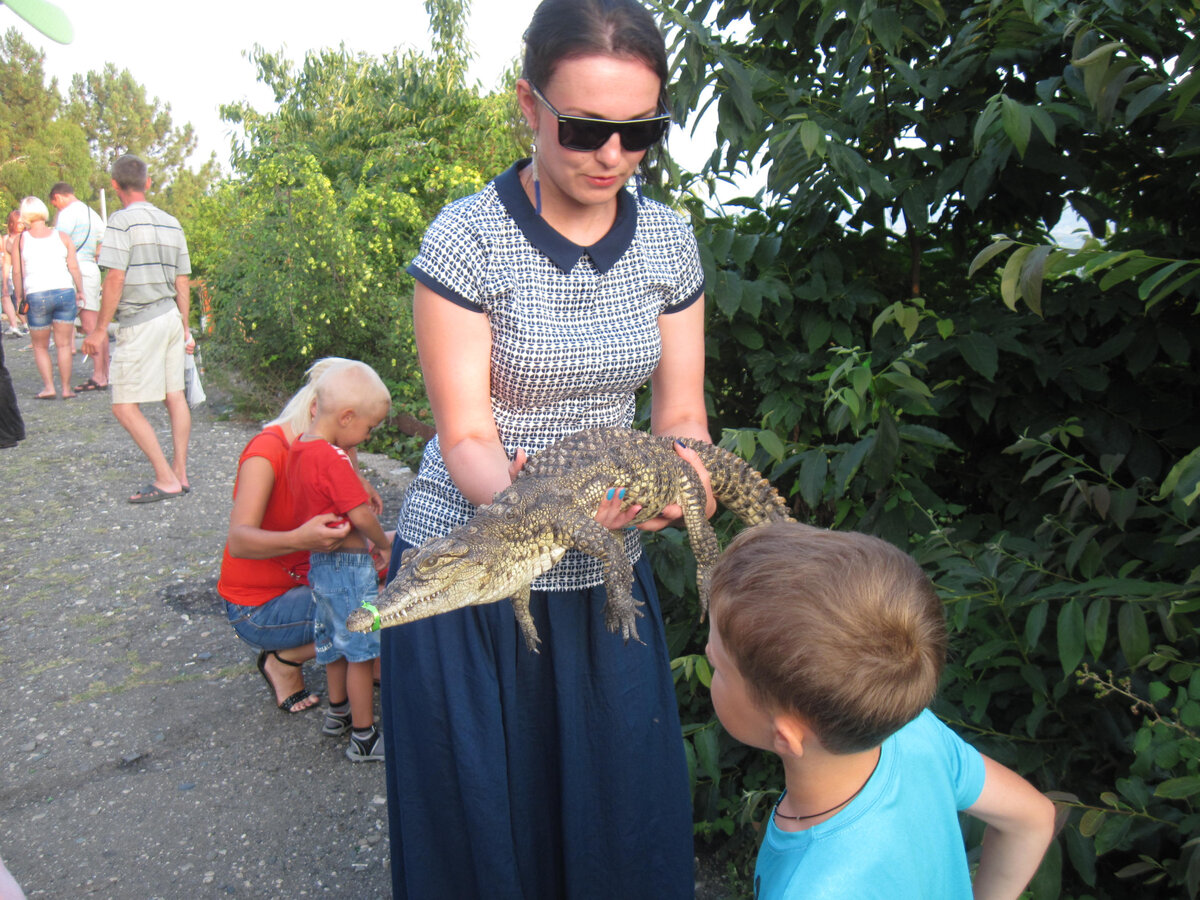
264, 571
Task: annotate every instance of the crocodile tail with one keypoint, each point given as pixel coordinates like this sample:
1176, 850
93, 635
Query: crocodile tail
739, 487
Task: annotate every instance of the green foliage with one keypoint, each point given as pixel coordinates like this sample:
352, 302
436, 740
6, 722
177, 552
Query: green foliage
303, 253
44, 140
1040, 460
38, 145
117, 117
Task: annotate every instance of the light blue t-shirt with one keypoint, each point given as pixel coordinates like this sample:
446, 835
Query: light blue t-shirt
897, 840
85, 229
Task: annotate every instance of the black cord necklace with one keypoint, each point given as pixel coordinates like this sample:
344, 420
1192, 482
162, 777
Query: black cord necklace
776, 811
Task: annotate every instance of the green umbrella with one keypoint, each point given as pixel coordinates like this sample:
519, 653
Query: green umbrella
45, 17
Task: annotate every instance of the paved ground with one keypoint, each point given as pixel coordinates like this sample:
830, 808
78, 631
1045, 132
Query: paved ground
140, 754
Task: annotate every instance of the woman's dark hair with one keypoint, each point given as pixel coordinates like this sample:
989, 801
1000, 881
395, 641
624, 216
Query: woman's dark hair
566, 29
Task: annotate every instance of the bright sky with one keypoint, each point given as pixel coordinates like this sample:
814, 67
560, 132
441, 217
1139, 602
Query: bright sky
192, 57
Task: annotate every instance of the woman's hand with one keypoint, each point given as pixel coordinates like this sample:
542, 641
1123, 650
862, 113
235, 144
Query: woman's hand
323, 533
609, 512
518, 463
674, 512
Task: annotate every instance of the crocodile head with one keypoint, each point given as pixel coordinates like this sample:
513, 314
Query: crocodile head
474, 564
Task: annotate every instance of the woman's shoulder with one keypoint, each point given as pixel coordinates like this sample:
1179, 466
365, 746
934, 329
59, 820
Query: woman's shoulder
654, 214
270, 443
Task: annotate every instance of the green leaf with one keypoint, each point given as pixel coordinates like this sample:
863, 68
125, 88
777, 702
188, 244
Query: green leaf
1133, 633
1095, 628
1091, 822
1179, 788
770, 442
1100, 55
986, 254
813, 473
1018, 124
1034, 623
708, 753
1126, 271
1031, 277
1071, 640
980, 352
1186, 91
812, 137
1112, 834
1148, 285
1011, 276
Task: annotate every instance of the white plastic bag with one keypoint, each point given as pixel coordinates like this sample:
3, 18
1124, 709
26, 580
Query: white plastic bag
193, 390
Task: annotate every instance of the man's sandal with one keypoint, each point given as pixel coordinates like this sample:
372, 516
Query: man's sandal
300, 696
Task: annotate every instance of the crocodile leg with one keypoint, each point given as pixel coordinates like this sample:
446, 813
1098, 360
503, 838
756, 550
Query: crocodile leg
588, 536
520, 602
701, 536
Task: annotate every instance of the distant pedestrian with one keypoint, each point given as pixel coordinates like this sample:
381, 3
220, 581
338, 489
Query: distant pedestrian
47, 280
12, 426
13, 324
84, 228
146, 290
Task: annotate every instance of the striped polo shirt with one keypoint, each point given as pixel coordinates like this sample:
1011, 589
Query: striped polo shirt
148, 244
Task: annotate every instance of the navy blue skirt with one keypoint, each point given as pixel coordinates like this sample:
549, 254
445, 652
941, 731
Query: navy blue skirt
535, 776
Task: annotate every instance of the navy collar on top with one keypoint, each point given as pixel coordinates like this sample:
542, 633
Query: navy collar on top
560, 251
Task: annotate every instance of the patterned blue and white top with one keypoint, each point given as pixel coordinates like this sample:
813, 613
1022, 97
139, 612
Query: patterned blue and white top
574, 331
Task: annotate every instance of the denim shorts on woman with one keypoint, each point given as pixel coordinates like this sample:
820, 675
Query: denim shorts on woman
48, 306
341, 582
279, 624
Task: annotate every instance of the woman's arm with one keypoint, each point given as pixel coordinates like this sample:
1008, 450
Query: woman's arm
677, 399
678, 381
249, 540
73, 267
455, 346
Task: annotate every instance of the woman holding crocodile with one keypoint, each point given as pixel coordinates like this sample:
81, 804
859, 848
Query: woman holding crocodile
543, 303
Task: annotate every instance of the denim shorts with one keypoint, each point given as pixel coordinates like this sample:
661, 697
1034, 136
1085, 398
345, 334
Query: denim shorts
279, 624
47, 306
341, 583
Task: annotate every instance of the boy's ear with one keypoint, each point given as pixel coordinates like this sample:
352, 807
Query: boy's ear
346, 417
791, 734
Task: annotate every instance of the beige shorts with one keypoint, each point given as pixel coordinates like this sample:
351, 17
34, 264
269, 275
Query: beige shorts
91, 286
147, 362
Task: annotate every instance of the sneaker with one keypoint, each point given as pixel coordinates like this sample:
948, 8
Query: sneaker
365, 749
336, 725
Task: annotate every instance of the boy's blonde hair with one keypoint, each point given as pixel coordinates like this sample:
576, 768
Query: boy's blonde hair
840, 628
353, 386
297, 414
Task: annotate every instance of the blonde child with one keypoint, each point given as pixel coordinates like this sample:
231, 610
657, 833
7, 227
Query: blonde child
826, 650
350, 402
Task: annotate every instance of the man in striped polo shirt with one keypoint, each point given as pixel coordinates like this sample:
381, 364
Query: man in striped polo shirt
146, 290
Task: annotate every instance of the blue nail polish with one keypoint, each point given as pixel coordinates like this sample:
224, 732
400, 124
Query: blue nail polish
610, 494
622, 494
680, 443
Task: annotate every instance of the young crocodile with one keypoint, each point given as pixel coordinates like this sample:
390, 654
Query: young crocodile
551, 507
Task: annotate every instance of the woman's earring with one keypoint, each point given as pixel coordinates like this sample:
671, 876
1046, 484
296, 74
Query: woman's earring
537, 184
637, 183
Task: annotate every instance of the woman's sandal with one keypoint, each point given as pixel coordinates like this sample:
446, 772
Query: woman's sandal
299, 697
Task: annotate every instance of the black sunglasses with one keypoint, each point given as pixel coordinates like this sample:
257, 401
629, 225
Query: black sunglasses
584, 134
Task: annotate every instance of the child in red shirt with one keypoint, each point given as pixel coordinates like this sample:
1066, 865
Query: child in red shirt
349, 404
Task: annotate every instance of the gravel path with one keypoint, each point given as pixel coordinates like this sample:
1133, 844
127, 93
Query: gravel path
141, 755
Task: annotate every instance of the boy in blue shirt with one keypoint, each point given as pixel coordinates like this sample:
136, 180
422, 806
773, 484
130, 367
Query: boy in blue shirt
826, 650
